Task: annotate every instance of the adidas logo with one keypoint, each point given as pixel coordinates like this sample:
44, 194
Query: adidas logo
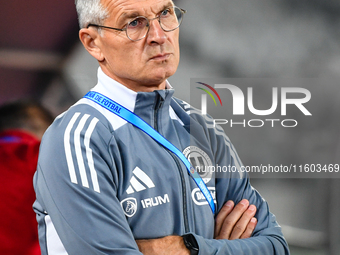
137, 184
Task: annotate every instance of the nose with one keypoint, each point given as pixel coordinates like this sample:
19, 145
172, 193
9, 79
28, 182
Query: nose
156, 34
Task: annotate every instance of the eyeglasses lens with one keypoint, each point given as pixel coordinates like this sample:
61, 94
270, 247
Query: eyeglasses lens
170, 19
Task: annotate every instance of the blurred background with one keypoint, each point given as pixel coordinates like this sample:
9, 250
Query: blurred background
41, 58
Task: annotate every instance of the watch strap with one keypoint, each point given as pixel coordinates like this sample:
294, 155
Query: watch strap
191, 243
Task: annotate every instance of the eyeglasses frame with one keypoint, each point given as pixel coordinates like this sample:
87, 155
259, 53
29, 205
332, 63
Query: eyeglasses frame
148, 25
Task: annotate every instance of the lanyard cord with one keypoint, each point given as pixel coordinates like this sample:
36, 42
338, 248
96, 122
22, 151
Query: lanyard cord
135, 120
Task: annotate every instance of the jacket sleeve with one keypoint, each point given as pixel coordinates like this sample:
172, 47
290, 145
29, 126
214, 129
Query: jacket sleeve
75, 185
267, 238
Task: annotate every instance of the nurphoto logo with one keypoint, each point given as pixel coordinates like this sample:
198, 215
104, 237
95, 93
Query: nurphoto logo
241, 102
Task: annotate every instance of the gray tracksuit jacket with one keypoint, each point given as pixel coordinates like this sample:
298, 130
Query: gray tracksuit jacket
101, 183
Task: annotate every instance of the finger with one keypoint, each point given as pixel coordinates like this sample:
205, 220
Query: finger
224, 212
243, 222
250, 229
230, 221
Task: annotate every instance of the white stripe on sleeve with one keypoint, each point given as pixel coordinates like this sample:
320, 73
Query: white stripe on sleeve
79, 155
67, 147
89, 156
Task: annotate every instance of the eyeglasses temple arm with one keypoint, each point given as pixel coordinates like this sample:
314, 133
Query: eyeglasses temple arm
94, 25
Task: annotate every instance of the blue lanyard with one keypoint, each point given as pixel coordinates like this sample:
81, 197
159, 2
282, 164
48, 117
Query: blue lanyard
132, 118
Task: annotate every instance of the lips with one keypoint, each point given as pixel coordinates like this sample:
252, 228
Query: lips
161, 57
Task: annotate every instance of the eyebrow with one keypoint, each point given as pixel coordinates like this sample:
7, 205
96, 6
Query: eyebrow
130, 15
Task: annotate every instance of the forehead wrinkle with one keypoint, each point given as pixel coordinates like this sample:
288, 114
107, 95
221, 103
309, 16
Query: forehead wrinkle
121, 11
135, 13
164, 6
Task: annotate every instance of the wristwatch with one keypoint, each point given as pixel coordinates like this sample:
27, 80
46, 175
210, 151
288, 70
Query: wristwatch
191, 243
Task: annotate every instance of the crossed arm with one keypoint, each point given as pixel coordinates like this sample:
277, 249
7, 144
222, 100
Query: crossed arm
232, 222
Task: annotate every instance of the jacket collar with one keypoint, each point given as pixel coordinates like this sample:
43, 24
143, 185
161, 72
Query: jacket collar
142, 104
115, 91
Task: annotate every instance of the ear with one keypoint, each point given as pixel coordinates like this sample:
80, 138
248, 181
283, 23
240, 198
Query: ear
90, 38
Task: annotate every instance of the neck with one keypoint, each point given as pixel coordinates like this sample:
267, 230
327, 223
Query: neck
138, 86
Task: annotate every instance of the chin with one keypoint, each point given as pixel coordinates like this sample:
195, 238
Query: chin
164, 73
157, 74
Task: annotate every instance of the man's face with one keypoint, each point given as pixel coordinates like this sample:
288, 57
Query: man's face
140, 65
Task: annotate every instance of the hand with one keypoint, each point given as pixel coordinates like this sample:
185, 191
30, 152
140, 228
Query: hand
235, 222
169, 245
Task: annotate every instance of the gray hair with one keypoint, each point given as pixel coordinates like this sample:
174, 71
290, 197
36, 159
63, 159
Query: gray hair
90, 11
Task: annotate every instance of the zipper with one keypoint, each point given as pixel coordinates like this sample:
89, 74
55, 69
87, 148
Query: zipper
185, 209
158, 106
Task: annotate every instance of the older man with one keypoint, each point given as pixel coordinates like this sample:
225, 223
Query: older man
113, 177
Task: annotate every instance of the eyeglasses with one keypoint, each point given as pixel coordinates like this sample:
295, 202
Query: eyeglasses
169, 20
